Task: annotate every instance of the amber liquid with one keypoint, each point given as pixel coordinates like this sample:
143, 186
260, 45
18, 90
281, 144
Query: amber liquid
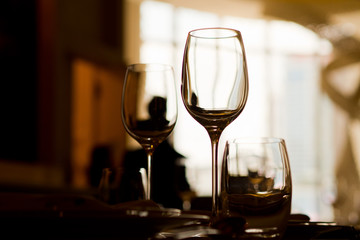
150, 139
265, 212
213, 119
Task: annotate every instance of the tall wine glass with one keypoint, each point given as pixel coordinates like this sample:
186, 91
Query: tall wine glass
149, 107
214, 85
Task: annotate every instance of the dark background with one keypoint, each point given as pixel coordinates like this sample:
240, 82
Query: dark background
18, 80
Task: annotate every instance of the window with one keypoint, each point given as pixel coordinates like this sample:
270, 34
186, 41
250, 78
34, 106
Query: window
284, 64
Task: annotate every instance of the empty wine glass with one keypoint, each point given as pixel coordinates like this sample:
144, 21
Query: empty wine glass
149, 107
214, 85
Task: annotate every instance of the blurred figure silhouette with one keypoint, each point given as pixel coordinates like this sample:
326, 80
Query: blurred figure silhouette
157, 111
169, 180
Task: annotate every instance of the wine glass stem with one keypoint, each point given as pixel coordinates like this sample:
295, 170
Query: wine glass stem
214, 152
148, 183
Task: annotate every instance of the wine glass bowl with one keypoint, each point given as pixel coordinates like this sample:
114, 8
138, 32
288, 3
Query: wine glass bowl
214, 85
149, 107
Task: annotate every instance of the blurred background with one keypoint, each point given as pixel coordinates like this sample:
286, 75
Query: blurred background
62, 66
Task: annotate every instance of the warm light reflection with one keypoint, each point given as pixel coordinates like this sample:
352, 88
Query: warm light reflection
284, 64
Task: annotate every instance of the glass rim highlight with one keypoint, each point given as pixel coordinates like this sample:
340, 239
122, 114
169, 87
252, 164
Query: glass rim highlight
149, 67
255, 140
214, 33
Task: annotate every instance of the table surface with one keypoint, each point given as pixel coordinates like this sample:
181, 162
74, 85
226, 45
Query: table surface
79, 217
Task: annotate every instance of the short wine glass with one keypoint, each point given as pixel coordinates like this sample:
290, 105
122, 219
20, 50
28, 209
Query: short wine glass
149, 107
214, 85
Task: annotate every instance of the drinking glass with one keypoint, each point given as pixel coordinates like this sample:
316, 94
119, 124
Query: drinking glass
121, 185
149, 107
214, 85
256, 185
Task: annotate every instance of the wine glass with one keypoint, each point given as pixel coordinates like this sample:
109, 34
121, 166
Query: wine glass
214, 85
256, 186
120, 185
149, 107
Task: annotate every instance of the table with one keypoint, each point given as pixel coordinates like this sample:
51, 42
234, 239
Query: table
69, 217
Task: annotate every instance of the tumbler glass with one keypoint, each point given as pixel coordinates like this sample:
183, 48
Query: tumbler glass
256, 185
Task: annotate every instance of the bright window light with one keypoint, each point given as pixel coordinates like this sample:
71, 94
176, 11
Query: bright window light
284, 64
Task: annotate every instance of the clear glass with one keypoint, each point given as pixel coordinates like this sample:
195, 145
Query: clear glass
214, 85
256, 185
119, 185
149, 107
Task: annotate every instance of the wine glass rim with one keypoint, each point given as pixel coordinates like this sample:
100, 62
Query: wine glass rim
149, 67
214, 33
255, 140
